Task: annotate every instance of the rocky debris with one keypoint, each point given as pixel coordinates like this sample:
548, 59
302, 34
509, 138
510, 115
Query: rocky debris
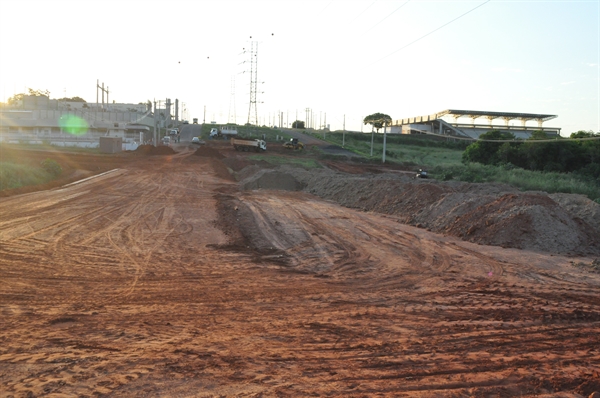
593, 267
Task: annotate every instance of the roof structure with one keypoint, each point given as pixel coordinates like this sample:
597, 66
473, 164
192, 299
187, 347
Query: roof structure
456, 113
435, 123
496, 115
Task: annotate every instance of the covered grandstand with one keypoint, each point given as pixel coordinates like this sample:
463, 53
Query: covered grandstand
451, 122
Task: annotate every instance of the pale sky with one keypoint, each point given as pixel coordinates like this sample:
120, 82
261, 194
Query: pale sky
344, 59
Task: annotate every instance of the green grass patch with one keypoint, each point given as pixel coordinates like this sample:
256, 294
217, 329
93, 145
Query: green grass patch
442, 157
307, 163
13, 175
525, 180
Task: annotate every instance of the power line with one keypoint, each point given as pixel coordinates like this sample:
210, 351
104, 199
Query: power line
516, 140
363, 11
433, 31
387, 16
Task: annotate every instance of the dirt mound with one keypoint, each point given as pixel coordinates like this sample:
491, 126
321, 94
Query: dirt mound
526, 221
491, 214
580, 206
239, 163
271, 179
151, 150
208, 152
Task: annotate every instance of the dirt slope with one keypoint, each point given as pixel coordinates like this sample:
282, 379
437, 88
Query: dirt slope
168, 278
489, 214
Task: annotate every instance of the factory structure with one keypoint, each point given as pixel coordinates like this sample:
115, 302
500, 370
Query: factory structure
37, 119
471, 124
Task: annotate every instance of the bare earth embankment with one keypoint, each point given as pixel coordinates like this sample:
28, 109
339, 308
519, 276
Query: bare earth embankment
201, 273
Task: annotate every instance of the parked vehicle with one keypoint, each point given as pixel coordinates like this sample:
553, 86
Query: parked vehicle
293, 143
249, 145
195, 120
166, 141
197, 141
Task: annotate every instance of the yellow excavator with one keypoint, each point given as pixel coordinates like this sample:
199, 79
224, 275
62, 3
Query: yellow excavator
293, 143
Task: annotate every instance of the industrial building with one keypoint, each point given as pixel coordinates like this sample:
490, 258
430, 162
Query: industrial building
38, 119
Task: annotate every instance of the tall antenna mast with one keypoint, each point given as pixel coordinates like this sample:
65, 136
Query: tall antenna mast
253, 83
232, 101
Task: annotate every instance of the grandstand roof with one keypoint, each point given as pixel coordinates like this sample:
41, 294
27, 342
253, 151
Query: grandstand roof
493, 115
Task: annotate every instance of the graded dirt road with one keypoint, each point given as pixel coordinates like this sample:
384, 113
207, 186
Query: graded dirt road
163, 278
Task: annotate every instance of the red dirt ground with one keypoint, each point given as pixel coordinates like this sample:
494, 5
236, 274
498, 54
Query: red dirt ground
177, 275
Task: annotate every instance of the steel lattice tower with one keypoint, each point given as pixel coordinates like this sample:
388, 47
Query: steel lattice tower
232, 102
253, 83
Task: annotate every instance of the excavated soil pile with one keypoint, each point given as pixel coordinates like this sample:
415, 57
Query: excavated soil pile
244, 167
208, 152
151, 150
272, 179
490, 214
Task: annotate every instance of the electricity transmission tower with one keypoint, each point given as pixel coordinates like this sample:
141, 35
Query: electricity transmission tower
253, 111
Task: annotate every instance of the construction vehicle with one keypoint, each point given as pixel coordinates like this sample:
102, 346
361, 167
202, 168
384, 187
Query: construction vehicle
224, 131
422, 174
249, 145
293, 143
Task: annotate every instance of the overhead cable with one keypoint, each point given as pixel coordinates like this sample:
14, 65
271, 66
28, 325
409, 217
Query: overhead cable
433, 31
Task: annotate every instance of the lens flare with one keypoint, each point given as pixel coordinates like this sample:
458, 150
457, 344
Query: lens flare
73, 124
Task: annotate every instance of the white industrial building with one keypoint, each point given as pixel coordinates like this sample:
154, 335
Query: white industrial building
38, 119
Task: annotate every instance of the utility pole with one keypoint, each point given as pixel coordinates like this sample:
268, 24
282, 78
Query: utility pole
307, 124
344, 132
98, 87
176, 110
155, 136
384, 131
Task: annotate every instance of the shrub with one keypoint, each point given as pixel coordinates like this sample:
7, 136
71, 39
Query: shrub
52, 167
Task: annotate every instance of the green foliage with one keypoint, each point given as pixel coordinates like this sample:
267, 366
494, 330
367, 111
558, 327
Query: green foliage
442, 157
557, 155
14, 175
486, 152
298, 124
38, 93
523, 179
72, 99
378, 120
52, 167
13, 100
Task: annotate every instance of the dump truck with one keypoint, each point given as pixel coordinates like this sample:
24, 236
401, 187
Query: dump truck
224, 131
293, 143
249, 145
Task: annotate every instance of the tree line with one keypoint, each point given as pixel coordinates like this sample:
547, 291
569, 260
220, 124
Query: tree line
580, 153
